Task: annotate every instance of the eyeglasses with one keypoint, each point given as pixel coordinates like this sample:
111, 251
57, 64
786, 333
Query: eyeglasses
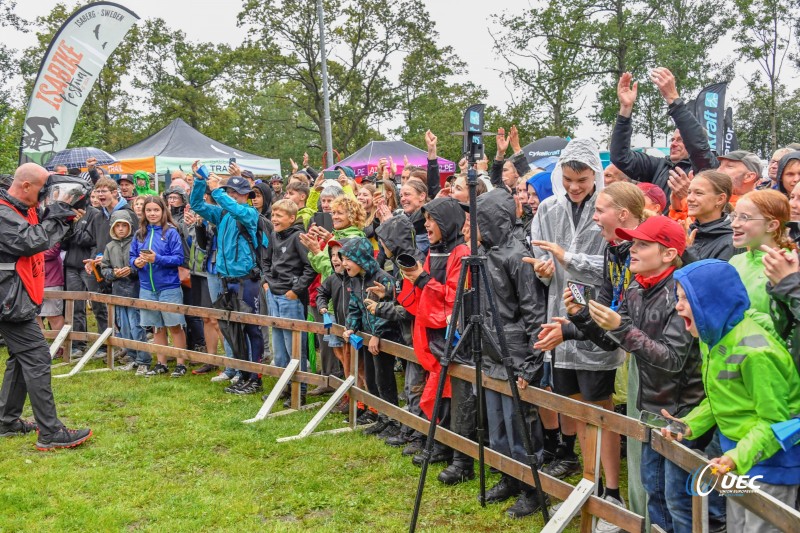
744, 217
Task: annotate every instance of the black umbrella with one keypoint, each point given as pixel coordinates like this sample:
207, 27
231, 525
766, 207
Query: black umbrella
544, 147
233, 331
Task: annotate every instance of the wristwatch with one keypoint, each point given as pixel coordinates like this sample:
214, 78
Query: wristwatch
675, 103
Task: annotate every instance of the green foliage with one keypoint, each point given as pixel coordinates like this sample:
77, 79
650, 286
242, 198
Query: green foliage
753, 121
763, 33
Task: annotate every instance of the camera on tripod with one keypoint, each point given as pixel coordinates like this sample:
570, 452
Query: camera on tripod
473, 133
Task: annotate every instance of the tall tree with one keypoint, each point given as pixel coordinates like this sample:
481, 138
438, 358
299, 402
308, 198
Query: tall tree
182, 79
548, 64
763, 32
364, 37
754, 121
431, 98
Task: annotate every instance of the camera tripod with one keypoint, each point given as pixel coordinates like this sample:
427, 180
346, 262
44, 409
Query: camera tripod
468, 306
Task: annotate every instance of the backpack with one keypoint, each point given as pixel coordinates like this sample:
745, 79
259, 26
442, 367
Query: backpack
259, 252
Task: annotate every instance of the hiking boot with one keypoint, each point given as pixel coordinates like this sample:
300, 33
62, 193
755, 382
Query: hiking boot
547, 458
222, 376
252, 386
604, 526
367, 417
179, 372
157, 370
398, 440
63, 438
17, 427
392, 429
377, 427
563, 467
439, 455
234, 387
454, 474
320, 391
503, 490
527, 504
288, 403
414, 447
205, 369
133, 365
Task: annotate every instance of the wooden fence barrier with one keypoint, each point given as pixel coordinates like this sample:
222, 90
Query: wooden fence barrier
597, 419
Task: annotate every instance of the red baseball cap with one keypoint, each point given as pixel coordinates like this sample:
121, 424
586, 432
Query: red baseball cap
655, 193
660, 229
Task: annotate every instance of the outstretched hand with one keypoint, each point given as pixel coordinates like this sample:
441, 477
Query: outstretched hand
502, 143
626, 94
665, 82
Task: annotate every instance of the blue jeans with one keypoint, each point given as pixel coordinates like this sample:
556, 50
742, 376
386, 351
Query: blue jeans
653, 472
282, 307
129, 328
249, 295
679, 502
214, 290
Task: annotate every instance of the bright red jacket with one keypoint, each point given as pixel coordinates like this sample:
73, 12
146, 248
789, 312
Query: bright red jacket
432, 305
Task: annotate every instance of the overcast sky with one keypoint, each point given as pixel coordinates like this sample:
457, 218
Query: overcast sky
462, 24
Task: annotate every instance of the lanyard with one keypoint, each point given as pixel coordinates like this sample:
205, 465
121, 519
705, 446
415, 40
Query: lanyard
620, 283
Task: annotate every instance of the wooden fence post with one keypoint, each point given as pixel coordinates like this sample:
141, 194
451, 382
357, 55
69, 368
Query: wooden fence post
109, 347
297, 352
69, 317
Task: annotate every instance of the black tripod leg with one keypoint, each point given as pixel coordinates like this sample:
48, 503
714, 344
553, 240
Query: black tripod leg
445, 364
533, 460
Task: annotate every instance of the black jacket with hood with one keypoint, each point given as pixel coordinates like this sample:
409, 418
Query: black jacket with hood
791, 156
667, 356
397, 237
19, 238
81, 242
333, 293
650, 169
287, 266
520, 297
714, 240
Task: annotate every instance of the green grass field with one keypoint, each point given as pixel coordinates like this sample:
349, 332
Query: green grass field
173, 455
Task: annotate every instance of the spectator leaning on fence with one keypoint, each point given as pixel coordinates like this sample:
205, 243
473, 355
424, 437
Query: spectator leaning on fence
750, 381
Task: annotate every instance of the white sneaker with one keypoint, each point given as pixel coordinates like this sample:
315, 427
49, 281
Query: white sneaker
142, 370
604, 526
130, 366
222, 376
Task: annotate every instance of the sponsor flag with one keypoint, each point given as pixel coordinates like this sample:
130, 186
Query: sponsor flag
731, 142
69, 68
710, 111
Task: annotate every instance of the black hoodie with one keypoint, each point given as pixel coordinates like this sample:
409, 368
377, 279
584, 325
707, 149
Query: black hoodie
520, 297
266, 193
781, 166
333, 293
397, 237
287, 265
450, 217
